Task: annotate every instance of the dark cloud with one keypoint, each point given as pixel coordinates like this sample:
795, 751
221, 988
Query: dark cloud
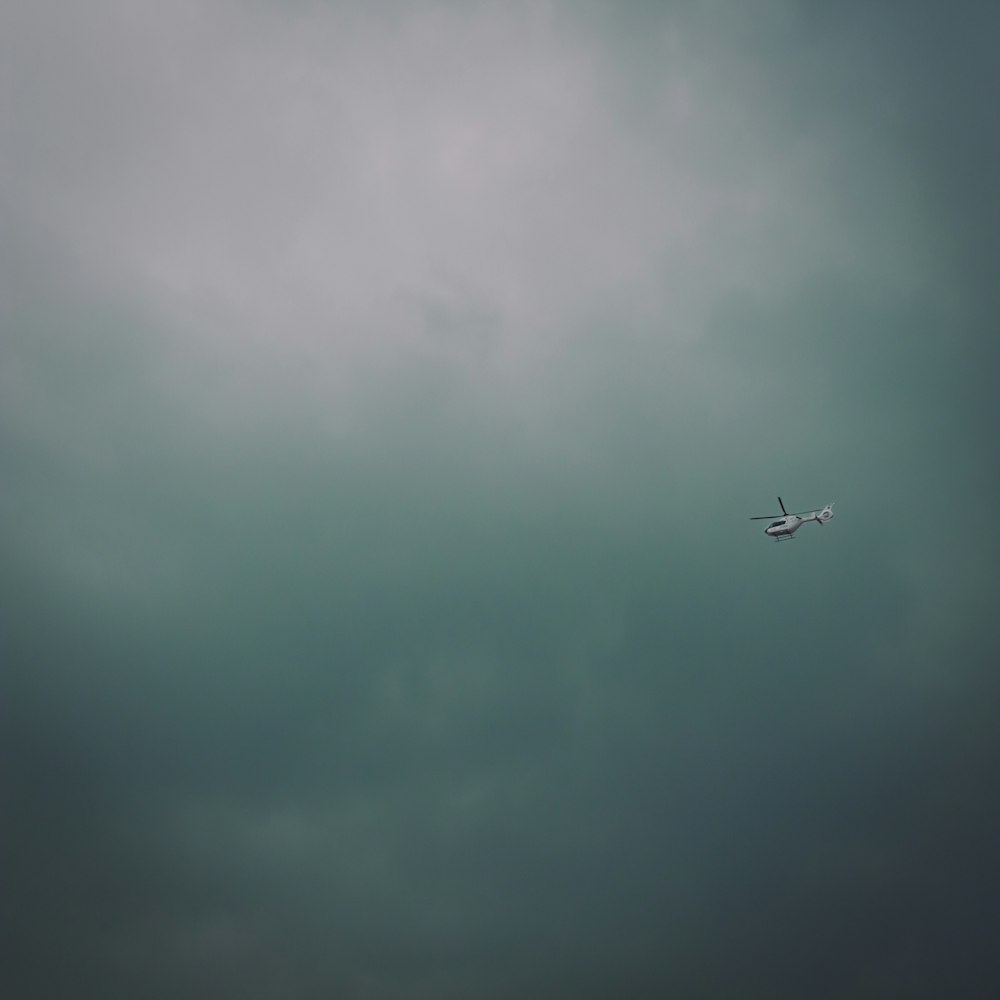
458, 669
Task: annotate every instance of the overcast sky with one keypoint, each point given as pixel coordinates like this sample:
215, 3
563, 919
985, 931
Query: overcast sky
385, 390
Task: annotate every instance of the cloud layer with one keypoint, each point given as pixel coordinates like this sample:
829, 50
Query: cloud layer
383, 396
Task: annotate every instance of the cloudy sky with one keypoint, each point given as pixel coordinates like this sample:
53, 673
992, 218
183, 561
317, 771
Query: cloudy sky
385, 389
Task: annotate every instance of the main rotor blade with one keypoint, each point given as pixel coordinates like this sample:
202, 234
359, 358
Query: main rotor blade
782, 506
765, 517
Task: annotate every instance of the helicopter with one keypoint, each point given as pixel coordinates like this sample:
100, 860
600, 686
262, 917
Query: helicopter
788, 524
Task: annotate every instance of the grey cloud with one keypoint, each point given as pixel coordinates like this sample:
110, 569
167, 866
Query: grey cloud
407, 637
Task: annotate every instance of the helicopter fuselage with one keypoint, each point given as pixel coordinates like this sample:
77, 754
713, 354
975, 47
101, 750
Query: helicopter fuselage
784, 527
787, 524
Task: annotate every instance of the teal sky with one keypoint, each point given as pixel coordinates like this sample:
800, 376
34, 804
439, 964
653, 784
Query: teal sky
385, 390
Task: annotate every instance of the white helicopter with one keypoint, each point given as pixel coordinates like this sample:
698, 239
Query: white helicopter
788, 524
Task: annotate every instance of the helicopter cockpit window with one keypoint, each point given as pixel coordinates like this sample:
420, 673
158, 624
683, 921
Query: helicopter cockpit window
777, 524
